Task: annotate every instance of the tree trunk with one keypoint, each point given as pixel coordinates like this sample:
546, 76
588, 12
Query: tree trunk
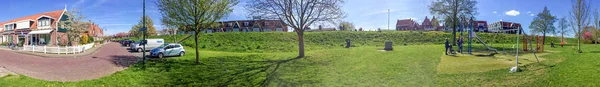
300, 44
543, 40
197, 52
579, 40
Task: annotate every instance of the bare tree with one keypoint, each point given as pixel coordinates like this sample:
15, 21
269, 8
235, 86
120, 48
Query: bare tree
298, 14
562, 25
596, 31
452, 10
194, 15
579, 16
74, 25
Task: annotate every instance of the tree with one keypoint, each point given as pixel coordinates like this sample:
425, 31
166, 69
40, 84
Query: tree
596, 31
451, 10
346, 26
298, 14
435, 23
150, 29
194, 15
543, 23
562, 25
74, 26
579, 16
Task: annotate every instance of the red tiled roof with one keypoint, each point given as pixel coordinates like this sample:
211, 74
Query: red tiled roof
54, 14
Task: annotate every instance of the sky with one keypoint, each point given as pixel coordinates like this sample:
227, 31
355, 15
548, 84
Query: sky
120, 15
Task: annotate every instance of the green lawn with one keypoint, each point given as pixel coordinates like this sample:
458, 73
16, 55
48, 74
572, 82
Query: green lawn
413, 65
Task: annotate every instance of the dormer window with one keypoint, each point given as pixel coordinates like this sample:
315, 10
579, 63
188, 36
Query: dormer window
246, 23
44, 22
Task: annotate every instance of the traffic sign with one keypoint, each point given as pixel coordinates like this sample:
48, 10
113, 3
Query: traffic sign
142, 29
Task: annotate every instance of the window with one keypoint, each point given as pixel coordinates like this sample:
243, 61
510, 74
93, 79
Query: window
44, 22
236, 30
279, 29
246, 23
256, 30
229, 24
267, 30
9, 27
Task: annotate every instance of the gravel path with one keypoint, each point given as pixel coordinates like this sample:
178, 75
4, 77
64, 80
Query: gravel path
109, 59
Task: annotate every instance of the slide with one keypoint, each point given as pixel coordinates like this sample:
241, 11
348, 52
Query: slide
489, 48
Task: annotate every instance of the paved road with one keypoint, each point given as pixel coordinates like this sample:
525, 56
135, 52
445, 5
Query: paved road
107, 60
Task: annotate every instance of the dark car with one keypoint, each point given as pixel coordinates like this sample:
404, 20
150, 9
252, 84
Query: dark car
126, 42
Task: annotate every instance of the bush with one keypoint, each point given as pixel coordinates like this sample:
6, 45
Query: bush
3, 43
84, 39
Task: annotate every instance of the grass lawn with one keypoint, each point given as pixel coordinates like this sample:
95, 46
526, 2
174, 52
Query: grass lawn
413, 65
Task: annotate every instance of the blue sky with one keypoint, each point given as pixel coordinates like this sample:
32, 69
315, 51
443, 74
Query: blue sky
119, 15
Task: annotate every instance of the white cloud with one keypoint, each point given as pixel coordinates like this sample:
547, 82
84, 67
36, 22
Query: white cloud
532, 14
495, 12
528, 12
512, 13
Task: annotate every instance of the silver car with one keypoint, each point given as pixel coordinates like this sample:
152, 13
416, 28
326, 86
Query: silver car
168, 49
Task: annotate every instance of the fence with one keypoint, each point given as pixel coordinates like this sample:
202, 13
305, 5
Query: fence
58, 49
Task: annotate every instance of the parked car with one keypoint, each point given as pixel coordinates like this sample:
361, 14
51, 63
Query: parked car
169, 49
151, 44
126, 42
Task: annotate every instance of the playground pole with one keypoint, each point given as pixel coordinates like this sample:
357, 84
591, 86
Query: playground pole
462, 29
517, 48
470, 33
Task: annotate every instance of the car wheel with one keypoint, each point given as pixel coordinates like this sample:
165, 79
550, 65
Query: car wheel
160, 55
140, 50
181, 53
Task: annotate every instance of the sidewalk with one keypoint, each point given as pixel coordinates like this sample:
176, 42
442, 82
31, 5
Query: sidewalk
62, 55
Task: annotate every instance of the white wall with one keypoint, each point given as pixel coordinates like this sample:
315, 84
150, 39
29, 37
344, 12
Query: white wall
23, 25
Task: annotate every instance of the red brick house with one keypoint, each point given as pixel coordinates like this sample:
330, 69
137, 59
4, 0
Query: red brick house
40, 29
427, 25
34, 29
406, 24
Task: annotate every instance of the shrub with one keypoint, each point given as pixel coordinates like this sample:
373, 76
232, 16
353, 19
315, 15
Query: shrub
84, 39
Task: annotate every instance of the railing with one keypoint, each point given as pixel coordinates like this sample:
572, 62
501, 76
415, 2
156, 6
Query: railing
58, 49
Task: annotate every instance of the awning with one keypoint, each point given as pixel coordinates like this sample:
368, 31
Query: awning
40, 32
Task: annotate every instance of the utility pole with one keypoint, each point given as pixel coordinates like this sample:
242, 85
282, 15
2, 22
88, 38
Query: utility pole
388, 19
144, 35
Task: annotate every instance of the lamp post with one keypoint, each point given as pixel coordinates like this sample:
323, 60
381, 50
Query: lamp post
143, 42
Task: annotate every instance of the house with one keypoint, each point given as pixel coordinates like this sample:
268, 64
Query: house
480, 26
504, 27
406, 24
427, 25
34, 29
94, 31
42, 29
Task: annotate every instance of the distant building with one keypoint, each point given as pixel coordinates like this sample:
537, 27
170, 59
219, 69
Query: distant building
504, 27
406, 24
250, 26
427, 25
480, 26
320, 28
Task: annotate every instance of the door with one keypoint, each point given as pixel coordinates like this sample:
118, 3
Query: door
168, 50
175, 49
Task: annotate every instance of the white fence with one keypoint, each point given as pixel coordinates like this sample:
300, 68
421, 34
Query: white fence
58, 49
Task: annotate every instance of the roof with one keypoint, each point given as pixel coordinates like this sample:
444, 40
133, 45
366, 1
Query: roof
406, 22
54, 14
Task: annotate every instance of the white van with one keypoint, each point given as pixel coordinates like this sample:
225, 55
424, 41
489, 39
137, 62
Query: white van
152, 43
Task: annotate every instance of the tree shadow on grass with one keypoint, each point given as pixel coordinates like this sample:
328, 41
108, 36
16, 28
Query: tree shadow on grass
252, 70
122, 60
